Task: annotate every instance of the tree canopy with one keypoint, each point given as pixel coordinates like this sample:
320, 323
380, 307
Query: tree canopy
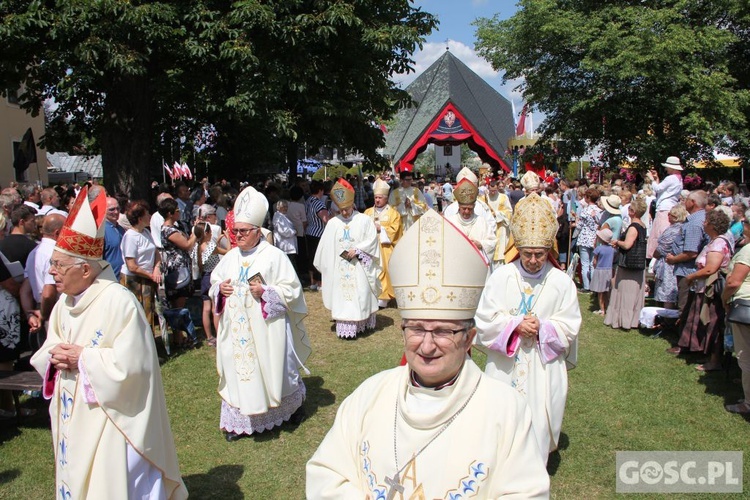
142, 78
644, 79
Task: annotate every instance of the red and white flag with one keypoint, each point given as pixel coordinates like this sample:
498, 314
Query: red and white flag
186, 171
177, 171
521, 127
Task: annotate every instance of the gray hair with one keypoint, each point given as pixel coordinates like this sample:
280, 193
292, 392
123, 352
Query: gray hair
282, 204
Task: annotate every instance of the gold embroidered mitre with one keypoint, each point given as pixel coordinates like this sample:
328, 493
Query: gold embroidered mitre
251, 207
82, 235
530, 180
466, 192
534, 223
436, 272
342, 194
381, 187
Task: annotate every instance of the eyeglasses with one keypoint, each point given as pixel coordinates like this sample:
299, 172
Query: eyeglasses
59, 266
244, 231
441, 336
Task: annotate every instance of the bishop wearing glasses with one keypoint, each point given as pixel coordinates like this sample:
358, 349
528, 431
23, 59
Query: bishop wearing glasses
261, 340
529, 319
437, 427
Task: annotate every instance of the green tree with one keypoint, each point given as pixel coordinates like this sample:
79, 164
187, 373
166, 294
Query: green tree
642, 79
143, 77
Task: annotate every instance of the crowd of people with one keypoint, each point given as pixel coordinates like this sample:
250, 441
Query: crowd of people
364, 244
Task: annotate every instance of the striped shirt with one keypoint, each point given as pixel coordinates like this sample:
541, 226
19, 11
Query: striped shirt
315, 225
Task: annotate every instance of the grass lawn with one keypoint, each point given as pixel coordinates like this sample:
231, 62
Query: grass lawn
625, 394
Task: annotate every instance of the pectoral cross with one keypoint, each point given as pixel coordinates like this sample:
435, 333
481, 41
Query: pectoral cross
394, 486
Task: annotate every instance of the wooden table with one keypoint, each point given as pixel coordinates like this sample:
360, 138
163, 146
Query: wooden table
17, 382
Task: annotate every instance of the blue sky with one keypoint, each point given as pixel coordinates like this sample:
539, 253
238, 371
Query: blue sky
455, 18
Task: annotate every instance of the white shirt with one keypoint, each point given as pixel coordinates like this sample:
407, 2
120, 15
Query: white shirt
138, 246
157, 221
667, 192
37, 267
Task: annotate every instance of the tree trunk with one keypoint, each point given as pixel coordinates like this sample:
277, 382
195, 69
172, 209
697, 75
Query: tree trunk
292, 152
126, 139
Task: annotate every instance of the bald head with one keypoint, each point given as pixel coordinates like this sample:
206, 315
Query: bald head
162, 197
52, 225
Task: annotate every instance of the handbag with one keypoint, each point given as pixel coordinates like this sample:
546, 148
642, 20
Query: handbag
635, 257
739, 312
178, 278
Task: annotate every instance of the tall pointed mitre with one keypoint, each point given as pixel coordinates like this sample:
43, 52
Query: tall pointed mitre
82, 235
534, 223
436, 272
530, 180
466, 173
251, 207
342, 194
381, 187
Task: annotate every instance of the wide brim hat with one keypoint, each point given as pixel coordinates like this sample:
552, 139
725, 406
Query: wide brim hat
672, 162
611, 204
604, 234
534, 223
342, 194
82, 235
250, 207
427, 279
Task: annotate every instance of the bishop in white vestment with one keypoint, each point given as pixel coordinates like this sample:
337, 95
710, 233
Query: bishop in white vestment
110, 428
439, 427
348, 257
261, 340
408, 200
476, 229
529, 319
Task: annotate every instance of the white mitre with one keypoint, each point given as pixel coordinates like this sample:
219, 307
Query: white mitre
381, 187
436, 272
250, 207
465, 173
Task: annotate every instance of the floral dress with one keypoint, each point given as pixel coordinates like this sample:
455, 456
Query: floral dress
665, 281
174, 258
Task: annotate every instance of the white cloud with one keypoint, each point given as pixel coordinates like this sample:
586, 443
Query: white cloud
432, 51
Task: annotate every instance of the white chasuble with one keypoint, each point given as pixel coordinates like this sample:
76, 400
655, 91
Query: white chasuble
476, 229
93, 439
487, 451
350, 287
535, 369
258, 355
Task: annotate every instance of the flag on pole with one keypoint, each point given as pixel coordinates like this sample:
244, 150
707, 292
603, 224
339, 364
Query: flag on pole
169, 171
26, 152
521, 128
186, 171
178, 170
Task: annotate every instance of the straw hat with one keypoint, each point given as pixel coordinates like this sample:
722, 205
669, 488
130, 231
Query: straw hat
611, 204
672, 162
